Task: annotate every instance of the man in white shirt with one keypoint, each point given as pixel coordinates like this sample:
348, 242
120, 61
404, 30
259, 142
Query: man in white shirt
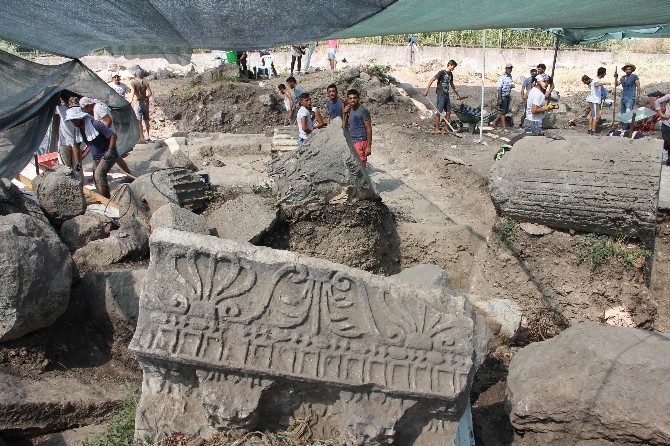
68, 150
536, 105
118, 86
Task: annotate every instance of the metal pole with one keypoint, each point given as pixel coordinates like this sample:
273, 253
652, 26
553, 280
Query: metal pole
553, 65
481, 118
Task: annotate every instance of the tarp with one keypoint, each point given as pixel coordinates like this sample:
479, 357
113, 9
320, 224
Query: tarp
578, 36
74, 29
29, 96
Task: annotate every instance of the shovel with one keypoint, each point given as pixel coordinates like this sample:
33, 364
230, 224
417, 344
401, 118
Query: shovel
445, 119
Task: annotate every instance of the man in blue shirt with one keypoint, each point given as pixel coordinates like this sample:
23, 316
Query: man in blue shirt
334, 104
505, 85
630, 85
359, 123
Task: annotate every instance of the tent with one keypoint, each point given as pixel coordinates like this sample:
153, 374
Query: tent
173, 28
585, 36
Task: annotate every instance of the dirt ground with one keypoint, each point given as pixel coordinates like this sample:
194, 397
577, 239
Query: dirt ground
436, 188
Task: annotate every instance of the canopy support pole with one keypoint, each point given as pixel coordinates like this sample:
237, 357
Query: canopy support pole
553, 65
481, 118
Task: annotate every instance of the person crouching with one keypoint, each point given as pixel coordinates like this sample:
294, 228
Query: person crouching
101, 142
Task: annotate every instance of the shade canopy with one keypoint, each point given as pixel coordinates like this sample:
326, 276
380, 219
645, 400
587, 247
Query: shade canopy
72, 28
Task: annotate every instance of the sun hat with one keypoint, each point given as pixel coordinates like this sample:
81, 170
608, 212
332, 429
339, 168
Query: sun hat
509, 65
85, 101
75, 113
628, 65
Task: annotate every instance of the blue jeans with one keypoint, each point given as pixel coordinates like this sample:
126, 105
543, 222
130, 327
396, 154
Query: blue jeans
444, 103
627, 105
533, 127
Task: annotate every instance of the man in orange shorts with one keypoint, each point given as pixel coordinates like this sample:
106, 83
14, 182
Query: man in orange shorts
359, 123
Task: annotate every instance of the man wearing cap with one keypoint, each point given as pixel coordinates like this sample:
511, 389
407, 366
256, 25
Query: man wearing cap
525, 89
541, 68
118, 86
141, 94
630, 85
101, 112
505, 85
537, 105
101, 142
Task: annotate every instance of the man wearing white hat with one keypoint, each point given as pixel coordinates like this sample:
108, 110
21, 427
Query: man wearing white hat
101, 142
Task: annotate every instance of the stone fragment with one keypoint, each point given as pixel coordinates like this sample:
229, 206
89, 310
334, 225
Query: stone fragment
592, 384
365, 76
603, 185
83, 229
35, 275
149, 192
225, 328
174, 217
244, 219
30, 408
178, 159
113, 293
13, 200
60, 194
381, 95
502, 313
130, 241
326, 169
534, 229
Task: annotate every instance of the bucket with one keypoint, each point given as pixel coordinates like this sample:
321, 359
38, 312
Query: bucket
231, 57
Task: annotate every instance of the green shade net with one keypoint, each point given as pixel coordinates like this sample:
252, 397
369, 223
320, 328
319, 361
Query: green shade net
27, 106
577, 36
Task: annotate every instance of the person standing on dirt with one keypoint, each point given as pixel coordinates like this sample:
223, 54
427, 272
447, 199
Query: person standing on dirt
141, 93
594, 99
662, 105
333, 46
630, 85
288, 103
445, 80
101, 141
242, 64
297, 52
296, 91
101, 112
334, 104
308, 118
68, 151
308, 55
537, 104
525, 88
359, 123
541, 68
118, 86
505, 86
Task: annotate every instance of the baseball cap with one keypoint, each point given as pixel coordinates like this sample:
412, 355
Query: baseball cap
84, 101
542, 77
509, 65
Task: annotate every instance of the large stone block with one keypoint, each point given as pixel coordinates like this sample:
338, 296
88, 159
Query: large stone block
592, 384
244, 219
325, 170
174, 217
604, 185
35, 275
60, 194
83, 229
225, 328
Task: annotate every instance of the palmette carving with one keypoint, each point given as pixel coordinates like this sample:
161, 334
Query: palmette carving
227, 310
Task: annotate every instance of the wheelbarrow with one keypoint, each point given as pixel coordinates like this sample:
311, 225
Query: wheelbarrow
470, 116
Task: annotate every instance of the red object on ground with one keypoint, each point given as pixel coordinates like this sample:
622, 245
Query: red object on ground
48, 160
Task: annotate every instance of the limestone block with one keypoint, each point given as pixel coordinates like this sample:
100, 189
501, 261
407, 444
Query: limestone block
83, 229
179, 159
225, 326
130, 241
592, 384
113, 293
504, 313
35, 275
592, 184
174, 217
149, 192
30, 408
245, 219
60, 194
326, 169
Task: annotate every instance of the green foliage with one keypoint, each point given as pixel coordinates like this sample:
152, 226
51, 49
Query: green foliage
212, 194
380, 71
262, 189
500, 38
595, 249
121, 428
507, 231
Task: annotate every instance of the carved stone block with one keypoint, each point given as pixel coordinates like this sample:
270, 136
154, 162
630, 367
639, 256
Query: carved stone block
223, 326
